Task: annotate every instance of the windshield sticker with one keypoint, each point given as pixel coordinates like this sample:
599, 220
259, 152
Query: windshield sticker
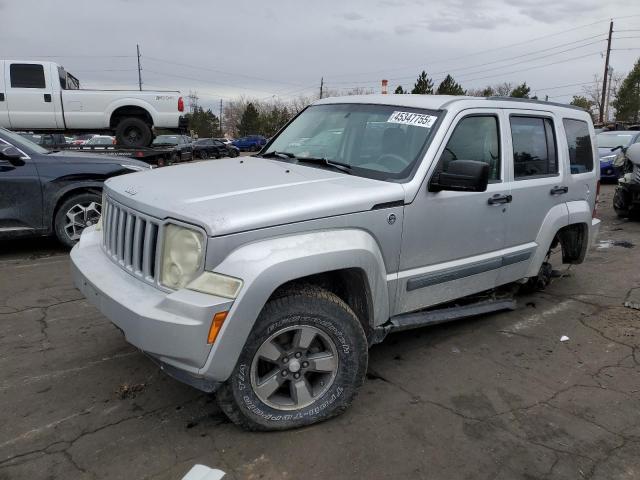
410, 118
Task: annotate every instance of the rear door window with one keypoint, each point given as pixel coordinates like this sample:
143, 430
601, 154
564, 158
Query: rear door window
534, 147
579, 143
27, 75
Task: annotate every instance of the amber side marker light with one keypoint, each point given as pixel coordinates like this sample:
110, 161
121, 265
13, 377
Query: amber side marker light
216, 325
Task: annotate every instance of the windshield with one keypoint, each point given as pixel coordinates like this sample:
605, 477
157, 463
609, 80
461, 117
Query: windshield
612, 140
376, 141
166, 139
22, 143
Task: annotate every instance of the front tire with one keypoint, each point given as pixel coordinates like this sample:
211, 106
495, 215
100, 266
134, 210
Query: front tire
74, 215
621, 202
133, 132
303, 363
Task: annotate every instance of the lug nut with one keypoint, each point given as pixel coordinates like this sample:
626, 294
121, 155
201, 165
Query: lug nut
305, 364
285, 359
296, 376
298, 355
285, 373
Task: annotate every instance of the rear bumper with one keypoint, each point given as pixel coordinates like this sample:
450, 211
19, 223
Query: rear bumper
170, 327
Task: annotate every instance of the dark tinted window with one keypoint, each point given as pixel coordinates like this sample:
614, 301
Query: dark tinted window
475, 138
534, 147
579, 141
27, 76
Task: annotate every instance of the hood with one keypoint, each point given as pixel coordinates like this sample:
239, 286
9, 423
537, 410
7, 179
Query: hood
246, 193
81, 157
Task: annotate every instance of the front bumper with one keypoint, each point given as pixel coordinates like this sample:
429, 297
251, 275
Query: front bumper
170, 327
608, 171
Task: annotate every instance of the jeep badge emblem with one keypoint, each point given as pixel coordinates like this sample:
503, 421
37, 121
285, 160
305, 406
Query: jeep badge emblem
131, 190
391, 218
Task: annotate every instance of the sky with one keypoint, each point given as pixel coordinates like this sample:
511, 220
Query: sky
279, 49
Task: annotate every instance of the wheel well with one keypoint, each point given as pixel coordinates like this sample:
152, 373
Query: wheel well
69, 194
129, 111
349, 284
574, 241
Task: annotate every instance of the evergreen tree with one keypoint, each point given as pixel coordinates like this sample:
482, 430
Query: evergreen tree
423, 85
582, 102
249, 122
450, 87
399, 90
627, 102
203, 123
521, 91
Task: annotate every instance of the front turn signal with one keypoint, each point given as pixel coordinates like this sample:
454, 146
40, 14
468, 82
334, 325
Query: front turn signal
216, 325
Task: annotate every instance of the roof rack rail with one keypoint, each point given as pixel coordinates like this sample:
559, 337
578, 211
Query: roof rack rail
533, 100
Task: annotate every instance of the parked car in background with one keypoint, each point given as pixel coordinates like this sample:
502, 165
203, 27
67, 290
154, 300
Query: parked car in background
43, 96
182, 145
224, 140
44, 192
213, 148
45, 139
250, 143
610, 145
101, 140
275, 273
82, 139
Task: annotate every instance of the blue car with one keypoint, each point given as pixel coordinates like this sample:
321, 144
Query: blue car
608, 141
250, 143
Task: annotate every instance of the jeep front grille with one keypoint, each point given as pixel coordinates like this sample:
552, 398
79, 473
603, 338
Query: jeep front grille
131, 239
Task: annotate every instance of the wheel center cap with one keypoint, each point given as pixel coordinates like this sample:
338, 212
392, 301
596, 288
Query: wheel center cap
294, 365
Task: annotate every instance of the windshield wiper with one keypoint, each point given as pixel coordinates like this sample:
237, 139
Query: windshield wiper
343, 167
285, 155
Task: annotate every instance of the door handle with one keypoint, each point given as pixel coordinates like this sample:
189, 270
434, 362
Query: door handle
559, 190
47, 97
498, 199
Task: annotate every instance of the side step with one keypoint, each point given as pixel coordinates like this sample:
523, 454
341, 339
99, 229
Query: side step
422, 318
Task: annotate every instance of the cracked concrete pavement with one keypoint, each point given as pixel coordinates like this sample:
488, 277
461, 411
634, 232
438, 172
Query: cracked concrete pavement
495, 397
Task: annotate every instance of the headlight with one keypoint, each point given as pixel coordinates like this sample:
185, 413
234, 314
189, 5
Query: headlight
216, 284
608, 158
183, 251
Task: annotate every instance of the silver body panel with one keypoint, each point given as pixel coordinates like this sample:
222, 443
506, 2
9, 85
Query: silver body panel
269, 222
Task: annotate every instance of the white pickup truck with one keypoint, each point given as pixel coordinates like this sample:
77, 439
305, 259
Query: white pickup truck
43, 96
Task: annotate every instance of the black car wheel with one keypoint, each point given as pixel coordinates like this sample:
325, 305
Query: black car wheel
303, 363
204, 154
74, 215
133, 132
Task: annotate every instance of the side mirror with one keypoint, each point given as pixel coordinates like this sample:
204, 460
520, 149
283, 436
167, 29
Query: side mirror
633, 153
12, 155
462, 176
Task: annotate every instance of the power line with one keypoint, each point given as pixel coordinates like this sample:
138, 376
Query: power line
480, 52
199, 67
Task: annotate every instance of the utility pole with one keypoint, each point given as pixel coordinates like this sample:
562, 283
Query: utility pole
321, 85
606, 110
139, 69
606, 72
220, 119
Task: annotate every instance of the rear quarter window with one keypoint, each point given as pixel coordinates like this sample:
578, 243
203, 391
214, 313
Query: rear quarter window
579, 144
27, 75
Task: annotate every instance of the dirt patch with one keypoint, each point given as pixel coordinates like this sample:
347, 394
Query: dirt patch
127, 390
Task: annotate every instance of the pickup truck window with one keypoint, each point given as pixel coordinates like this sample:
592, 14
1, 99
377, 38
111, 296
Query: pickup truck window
475, 138
375, 141
27, 75
534, 147
579, 142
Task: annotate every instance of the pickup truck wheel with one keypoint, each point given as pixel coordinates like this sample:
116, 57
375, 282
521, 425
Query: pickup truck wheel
133, 132
303, 363
76, 214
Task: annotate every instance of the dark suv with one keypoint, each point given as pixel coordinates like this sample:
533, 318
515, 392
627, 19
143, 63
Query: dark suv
44, 192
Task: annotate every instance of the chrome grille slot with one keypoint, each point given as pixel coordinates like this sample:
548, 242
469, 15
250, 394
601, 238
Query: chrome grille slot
131, 239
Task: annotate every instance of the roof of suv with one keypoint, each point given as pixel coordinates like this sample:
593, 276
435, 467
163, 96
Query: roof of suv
438, 102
